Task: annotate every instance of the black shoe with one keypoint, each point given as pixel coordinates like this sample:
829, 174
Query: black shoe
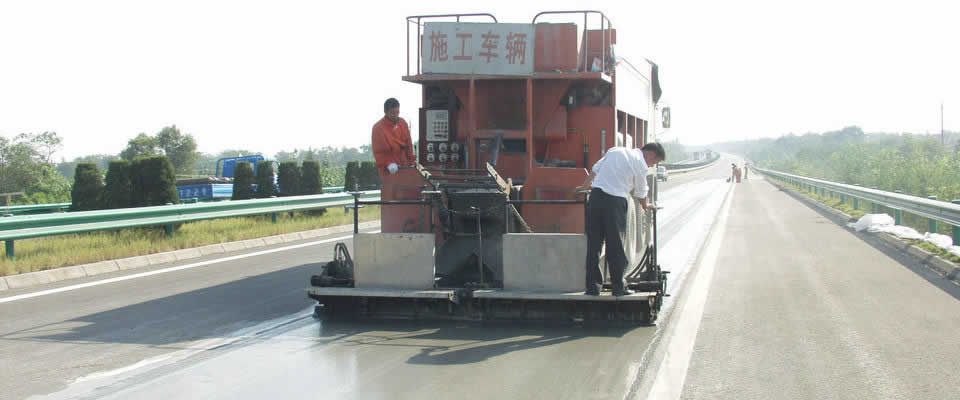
592, 292
621, 293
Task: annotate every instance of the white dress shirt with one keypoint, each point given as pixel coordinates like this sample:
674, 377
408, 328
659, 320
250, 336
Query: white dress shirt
620, 172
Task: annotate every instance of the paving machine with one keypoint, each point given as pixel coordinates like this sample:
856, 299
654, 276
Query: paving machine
489, 224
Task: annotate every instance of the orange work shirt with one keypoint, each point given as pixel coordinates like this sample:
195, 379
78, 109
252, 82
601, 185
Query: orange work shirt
391, 144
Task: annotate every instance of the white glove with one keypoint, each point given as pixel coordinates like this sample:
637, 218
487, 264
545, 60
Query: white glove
393, 168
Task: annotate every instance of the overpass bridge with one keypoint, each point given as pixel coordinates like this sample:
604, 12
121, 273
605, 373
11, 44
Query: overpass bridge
771, 298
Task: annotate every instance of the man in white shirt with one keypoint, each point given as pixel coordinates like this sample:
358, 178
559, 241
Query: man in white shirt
620, 173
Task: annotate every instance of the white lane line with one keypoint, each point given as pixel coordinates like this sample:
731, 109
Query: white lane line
166, 270
672, 371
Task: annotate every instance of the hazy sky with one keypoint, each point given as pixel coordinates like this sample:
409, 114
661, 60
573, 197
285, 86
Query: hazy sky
275, 75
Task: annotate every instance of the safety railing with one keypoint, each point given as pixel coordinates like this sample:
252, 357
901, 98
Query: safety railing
935, 211
691, 165
32, 226
34, 209
606, 35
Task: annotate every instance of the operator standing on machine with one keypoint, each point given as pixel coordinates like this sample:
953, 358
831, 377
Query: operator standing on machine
619, 173
392, 146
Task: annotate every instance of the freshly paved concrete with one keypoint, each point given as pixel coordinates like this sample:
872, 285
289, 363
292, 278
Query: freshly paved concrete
800, 308
50, 341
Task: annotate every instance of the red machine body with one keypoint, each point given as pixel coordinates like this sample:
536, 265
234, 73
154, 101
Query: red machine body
541, 130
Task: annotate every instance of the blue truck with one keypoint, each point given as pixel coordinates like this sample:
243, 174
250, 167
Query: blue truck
219, 187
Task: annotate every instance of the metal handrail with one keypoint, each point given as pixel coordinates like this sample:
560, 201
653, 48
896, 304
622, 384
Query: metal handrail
419, 18
586, 42
942, 211
31, 226
34, 208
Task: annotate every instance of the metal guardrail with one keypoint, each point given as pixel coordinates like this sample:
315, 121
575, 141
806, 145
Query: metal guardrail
682, 167
34, 209
934, 210
32, 226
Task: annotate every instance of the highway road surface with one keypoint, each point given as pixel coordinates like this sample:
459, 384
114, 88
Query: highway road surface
787, 304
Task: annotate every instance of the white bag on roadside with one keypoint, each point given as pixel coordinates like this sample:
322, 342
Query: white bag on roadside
872, 222
942, 241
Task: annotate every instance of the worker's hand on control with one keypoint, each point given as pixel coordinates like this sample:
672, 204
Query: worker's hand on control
393, 168
579, 189
644, 205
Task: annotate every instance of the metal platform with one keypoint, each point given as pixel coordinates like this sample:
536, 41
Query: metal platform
572, 296
393, 293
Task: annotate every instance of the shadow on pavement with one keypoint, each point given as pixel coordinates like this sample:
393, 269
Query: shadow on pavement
445, 343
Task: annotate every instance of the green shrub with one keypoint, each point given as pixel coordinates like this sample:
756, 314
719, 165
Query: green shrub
119, 189
154, 182
369, 176
351, 177
87, 187
288, 178
310, 178
243, 181
266, 181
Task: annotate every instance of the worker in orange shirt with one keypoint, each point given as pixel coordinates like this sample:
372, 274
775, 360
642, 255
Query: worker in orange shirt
392, 147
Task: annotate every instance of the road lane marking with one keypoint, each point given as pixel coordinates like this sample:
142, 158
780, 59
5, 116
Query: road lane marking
672, 371
166, 270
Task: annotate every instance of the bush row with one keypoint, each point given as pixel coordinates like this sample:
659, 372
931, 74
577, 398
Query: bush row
292, 179
361, 176
148, 181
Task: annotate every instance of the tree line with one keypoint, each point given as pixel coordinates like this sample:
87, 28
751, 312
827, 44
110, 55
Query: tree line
27, 163
918, 165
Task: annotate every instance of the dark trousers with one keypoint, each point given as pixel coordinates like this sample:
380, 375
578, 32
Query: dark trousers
606, 223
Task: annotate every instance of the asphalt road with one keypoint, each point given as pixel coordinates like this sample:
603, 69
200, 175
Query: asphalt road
801, 308
242, 329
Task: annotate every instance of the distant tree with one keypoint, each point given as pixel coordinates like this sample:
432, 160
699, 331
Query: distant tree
288, 178
142, 145
179, 148
87, 188
266, 179
310, 178
243, 179
26, 165
118, 191
66, 168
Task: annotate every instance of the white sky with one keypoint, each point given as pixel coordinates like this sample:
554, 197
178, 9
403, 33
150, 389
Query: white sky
275, 75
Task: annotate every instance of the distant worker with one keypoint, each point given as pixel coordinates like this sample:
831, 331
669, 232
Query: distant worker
733, 173
392, 147
746, 171
620, 173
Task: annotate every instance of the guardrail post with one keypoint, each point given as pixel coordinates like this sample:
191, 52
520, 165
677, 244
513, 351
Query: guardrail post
168, 230
856, 203
8, 245
356, 212
956, 229
898, 216
273, 217
934, 225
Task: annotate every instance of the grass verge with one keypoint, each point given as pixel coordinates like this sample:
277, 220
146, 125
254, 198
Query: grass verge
934, 249
59, 251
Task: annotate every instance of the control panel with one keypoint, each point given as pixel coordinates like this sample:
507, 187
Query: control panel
439, 151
